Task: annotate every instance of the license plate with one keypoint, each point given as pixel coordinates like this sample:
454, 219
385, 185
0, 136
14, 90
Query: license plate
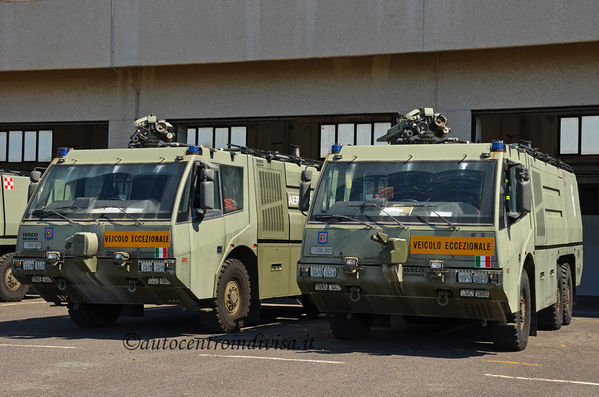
321, 250
32, 245
330, 272
147, 266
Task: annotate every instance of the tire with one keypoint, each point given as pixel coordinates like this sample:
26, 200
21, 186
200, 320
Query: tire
11, 290
87, 315
310, 308
568, 297
350, 326
514, 337
233, 292
551, 317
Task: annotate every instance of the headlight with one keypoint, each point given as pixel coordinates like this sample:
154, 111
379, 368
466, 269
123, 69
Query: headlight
321, 287
316, 271
52, 256
481, 293
351, 261
467, 292
480, 278
436, 264
464, 277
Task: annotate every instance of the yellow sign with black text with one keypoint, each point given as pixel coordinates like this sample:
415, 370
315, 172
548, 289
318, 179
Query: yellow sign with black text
126, 238
452, 245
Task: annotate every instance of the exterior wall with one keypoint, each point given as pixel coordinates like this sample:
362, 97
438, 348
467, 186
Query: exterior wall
105, 33
453, 82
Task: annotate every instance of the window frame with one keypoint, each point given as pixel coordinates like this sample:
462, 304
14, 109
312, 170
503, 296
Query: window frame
579, 118
355, 124
229, 128
23, 133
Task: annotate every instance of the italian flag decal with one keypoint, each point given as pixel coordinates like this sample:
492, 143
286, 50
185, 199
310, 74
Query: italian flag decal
160, 252
482, 261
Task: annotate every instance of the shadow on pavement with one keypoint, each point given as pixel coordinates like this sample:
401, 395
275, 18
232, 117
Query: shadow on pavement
281, 328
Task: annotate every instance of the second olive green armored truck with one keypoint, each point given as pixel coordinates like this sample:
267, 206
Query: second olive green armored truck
192, 226
14, 200
434, 227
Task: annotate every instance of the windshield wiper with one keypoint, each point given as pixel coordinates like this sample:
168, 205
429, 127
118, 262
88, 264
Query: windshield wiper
380, 207
41, 213
421, 205
349, 218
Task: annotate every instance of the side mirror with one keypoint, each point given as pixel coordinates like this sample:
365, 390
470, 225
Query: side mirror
524, 196
204, 196
34, 179
35, 176
306, 175
304, 196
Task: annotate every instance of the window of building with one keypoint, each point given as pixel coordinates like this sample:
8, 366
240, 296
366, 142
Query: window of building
26, 146
350, 134
579, 135
217, 137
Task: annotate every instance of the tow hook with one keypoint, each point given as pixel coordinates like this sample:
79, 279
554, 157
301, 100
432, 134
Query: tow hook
354, 294
62, 285
443, 297
132, 286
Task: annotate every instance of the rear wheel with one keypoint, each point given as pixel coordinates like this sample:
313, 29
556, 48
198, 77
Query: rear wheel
514, 337
568, 297
551, 317
233, 292
88, 315
11, 290
350, 325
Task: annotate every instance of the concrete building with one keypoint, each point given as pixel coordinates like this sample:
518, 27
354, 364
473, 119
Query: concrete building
277, 73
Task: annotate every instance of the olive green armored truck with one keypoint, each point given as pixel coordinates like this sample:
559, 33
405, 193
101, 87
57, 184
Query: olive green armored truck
14, 200
429, 226
162, 223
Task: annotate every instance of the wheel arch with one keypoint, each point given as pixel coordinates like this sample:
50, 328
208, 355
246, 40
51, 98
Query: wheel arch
250, 262
529, 268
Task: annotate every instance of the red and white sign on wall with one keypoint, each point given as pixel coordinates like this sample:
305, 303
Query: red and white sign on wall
9, 184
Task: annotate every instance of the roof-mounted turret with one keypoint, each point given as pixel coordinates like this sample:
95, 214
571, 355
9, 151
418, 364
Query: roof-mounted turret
150, 132
421, 125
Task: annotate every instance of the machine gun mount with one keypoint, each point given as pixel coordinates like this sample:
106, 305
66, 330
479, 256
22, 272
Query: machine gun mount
149, 132
421, 125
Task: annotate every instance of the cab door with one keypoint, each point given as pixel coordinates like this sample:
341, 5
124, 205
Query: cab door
206, 237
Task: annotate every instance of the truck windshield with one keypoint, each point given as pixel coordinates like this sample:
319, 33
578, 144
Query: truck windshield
145, 191
440, 192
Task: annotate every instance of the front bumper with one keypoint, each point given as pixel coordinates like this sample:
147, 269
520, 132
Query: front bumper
422, 292
72, 281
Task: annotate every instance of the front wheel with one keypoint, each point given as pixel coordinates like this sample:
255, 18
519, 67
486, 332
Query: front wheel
514, 337
11, 290
88, 315
233, 293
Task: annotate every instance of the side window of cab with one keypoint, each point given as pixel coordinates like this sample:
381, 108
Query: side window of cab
232, 188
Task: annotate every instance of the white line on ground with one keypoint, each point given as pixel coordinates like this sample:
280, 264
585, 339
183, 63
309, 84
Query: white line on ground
21, 303
544, 380
273, 358
42, 346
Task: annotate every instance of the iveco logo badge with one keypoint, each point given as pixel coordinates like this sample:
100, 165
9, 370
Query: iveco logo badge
49, 233
323, 237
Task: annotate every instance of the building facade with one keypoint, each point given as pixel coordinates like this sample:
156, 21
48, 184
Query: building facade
276, 74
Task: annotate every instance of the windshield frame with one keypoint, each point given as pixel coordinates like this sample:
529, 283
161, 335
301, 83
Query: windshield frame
118, 214
490, 220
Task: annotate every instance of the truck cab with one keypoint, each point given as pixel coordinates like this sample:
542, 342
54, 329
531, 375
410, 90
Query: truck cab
487, 232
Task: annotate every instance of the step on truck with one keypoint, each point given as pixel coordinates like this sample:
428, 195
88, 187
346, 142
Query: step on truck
162, 223
15, 186
429, 226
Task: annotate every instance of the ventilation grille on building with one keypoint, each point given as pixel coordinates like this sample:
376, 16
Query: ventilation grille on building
273, 206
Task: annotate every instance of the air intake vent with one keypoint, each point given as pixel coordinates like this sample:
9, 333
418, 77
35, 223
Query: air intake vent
272, 206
